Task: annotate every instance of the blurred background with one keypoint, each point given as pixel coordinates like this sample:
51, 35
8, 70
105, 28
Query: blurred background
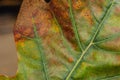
8, 56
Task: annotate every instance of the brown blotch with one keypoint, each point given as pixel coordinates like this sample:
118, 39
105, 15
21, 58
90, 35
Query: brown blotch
30, 9
70, 59
61, 12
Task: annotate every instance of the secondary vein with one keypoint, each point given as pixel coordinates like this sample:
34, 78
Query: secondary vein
40, 48
77, 36
102, 21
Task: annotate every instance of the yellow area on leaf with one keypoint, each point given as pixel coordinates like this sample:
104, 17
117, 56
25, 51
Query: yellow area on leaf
33, 21
22, 44
54, 27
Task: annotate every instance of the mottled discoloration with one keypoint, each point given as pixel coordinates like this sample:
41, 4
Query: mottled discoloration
60, 9
50, 50
38, 10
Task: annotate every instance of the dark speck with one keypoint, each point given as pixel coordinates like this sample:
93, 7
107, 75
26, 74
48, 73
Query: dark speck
47, 1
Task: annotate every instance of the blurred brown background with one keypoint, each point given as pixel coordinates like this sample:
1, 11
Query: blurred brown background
8, 55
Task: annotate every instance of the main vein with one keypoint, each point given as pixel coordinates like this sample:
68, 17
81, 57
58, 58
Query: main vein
78, 61
40, 48
100, 25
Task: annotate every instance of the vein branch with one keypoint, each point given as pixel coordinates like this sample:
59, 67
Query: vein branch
110, 77
77, 36
40, 48
100, 25
66, 44
114, 36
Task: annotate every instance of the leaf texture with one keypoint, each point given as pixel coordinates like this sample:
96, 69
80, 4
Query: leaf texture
68, 40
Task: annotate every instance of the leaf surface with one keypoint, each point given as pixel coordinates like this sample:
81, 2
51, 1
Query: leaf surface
68, 40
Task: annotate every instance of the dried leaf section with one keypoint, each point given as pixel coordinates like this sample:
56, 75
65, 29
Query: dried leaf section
68, 40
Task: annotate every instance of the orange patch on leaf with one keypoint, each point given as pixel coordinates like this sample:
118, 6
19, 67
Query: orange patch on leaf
70, 59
